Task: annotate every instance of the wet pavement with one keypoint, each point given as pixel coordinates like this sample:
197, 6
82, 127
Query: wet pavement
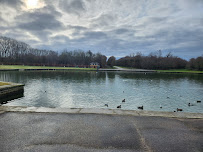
59, 132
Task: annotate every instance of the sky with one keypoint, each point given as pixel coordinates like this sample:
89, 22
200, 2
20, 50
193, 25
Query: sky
111, 27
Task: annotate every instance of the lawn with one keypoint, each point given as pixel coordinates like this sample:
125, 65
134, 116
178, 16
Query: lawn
4, 83
179, 71
4, 67
126, 67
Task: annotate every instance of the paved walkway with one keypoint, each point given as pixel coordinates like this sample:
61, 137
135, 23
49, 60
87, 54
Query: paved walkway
27, 130
127, 70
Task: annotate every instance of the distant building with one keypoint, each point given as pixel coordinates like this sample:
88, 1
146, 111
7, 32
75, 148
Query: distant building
94, 65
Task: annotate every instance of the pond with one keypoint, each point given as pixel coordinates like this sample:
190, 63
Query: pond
72, 89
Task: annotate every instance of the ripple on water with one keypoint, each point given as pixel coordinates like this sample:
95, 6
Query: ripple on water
90, 90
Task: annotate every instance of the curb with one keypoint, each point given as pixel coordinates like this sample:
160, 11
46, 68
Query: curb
101, 111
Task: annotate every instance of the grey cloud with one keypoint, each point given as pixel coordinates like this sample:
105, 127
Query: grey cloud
2, 21
40, 19
11, 3
60, 38
21, 36
41, 22
94, 35
122, 31
150, 21
175, 36
78, 28
72, 6
42, 35
103, 20
115, 28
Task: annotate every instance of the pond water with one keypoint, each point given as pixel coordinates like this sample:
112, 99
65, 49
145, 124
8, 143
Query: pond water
68, 89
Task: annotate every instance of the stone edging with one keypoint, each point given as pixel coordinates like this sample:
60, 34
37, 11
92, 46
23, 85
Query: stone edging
10, 91
101, 111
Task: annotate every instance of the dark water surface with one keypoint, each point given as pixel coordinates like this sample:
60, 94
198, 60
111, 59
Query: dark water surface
94, 89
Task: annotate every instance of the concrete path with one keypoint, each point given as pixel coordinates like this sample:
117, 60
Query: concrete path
22, 131
127, 70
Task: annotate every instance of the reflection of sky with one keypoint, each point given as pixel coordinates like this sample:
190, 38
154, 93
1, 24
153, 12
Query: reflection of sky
93, 90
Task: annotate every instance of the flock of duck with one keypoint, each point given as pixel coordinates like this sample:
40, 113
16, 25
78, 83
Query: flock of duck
189, 104
142, 107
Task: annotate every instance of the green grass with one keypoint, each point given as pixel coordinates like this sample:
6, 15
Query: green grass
4, 83
126, 67
179, 71
5, 67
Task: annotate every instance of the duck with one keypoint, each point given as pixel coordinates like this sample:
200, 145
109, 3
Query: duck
179, 109
198, 101
119, 106
106, 105
160, 106
123, 100
141, 107
189, 104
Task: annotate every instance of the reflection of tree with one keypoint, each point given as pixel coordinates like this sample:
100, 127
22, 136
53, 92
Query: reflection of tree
83, 76
76, 77
111, 75
162, 76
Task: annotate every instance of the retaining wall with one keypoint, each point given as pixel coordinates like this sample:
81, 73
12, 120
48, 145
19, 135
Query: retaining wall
11, 91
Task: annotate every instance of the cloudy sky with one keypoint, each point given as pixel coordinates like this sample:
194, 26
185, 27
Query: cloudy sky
112, 27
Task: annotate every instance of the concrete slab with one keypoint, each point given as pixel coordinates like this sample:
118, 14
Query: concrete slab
96, 111
59, 132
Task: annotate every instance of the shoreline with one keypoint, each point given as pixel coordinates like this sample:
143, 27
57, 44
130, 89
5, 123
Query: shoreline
100, 70
101, 111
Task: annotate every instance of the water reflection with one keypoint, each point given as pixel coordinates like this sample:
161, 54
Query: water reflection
95, 89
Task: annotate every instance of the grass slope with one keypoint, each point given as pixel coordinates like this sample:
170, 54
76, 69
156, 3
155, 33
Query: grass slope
4, 83
179, 71
4, 67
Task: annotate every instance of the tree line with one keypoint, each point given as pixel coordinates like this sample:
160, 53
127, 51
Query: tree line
158, 62
15, 52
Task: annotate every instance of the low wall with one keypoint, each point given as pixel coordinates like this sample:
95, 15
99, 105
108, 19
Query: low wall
11, 91
102, 111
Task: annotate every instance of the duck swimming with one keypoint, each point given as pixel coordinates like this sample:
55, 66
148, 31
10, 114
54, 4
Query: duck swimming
189, 104
140, 107
119, 106
179, 109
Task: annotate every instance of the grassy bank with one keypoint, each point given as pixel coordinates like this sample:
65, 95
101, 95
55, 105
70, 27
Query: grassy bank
4, 83
10, 67
179, 71
125, 67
